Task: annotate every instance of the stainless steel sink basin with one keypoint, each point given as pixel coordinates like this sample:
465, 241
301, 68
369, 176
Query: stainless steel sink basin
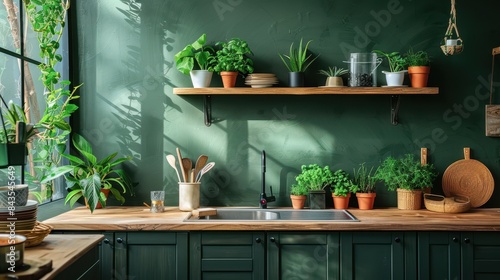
224, 214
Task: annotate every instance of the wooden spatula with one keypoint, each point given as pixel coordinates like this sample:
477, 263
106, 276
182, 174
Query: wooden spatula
183, 171
200, 162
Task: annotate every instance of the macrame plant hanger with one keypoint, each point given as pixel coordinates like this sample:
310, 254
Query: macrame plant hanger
492, 110
452, 43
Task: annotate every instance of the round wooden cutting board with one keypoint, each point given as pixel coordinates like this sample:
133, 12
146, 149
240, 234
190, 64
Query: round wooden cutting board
470, 178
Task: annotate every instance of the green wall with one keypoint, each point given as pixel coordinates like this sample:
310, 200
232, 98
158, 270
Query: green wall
124, 57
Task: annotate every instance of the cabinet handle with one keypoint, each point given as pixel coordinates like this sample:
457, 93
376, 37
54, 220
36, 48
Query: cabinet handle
467, 240
272, 239
455, 239
119, 240
106, 241
397, 239
258, 240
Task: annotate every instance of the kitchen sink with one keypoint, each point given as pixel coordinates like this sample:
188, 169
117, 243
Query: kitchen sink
244, 214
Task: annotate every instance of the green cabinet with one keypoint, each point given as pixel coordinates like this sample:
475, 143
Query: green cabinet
227, 255
311, 255
453, 255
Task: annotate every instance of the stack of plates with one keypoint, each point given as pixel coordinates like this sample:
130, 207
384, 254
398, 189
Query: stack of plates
261, 80
24, 217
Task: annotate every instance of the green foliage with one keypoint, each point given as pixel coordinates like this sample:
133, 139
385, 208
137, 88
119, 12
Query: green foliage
11, 116
233, 57
334, 72
313, 177
364, 179
197, 51
298, 58
420, 58
342, 184
299, 189
47, 18
396, 61
86, 175
405, 173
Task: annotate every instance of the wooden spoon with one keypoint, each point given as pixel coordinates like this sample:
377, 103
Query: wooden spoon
171, 161
200, 162
187, 165
183, 171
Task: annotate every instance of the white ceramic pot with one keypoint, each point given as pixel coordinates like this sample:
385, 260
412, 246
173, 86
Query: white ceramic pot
395, 79
201, 78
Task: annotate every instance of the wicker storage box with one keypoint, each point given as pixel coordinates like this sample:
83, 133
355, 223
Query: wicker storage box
439, 203
409, 199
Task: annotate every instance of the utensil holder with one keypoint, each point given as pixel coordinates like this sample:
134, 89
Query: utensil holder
189, 196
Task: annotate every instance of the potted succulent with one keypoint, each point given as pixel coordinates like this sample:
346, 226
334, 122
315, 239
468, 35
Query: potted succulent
409, 177
364, 184
315, 179
418, 68
93, 179
232, 59
297, 61
298, 195
397, 65
333, 75
342, 187
203, 55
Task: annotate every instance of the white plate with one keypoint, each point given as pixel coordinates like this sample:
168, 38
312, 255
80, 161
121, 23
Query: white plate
31, 204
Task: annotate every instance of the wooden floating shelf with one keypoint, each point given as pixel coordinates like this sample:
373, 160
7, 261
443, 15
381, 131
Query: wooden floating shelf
304, 90
394, 92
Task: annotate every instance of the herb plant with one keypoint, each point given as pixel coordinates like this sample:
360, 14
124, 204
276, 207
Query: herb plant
420, 58
197, 51
233, 57
364, 179
334, 72
298, 60
396, 61
405, 173
342, 184
298, 189
314, 177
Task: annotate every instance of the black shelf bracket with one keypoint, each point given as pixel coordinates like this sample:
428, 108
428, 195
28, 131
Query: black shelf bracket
207, 110
395, 101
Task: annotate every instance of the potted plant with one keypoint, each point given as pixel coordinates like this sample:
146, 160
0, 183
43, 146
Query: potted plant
408, 176
418, 68
203, 55
298, 195
93, 179
333, 75
232, 59
342, 187
397, 65
297, 61
315, 179
364, 184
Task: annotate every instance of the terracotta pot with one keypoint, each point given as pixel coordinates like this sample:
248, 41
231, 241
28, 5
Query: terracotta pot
341, 202
409, 199
419, 75
366, 200
98, 206
229, 78
298, 201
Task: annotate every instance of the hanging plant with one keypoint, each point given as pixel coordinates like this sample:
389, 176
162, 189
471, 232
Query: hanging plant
452, 43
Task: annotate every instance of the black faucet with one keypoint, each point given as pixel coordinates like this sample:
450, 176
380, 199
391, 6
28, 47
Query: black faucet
264, 199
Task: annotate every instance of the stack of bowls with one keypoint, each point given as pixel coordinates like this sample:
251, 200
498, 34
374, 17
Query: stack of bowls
16, 211
261, 80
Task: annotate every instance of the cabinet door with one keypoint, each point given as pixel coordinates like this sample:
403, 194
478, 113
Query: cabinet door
227, 255
439, 255
302, 256
151, 255
481, 255
372, 255
107, 255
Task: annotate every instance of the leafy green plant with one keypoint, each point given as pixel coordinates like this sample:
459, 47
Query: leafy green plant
48, 20
342, 184
299, 189
314, 177
405, 173
396, 61
86, 175
11, 116
298, 60
333, 72
364, 179
233, 57
197, 51
420, 58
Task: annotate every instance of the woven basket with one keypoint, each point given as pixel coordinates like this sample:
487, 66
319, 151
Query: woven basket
452, 50
409, 199
439, 203
36, 235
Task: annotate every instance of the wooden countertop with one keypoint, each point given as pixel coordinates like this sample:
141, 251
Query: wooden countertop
62, 249
134, 218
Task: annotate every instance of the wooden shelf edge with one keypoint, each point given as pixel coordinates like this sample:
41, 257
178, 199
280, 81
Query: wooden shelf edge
305, 91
